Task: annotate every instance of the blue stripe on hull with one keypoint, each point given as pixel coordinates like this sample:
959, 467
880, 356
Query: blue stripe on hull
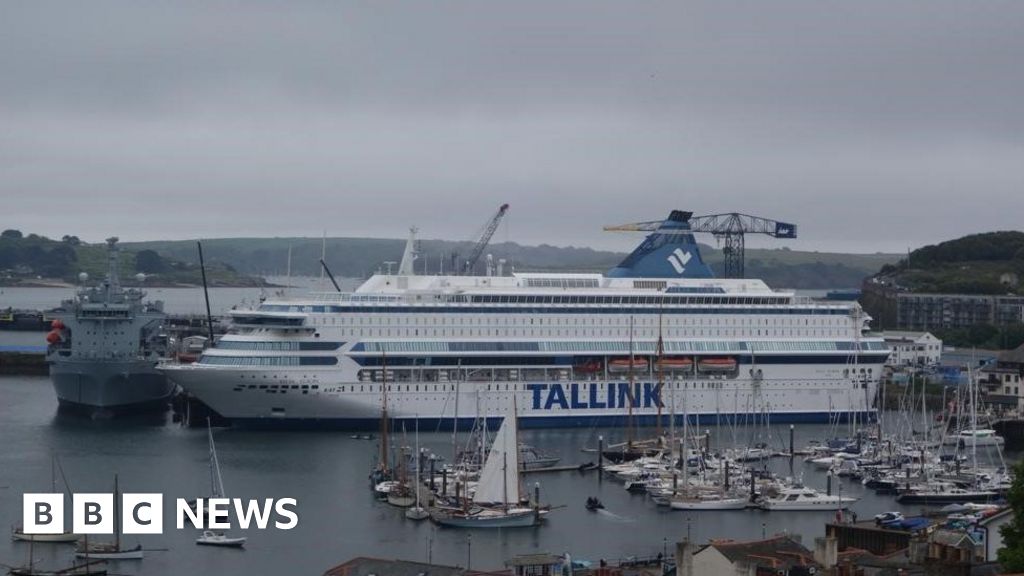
599, 421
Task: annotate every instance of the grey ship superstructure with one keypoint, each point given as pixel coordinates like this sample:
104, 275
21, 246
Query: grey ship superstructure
105, 345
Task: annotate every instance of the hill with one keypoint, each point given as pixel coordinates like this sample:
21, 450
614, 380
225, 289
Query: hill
360, 257
33, 259
975, 264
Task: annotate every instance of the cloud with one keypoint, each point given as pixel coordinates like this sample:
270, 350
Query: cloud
874, 125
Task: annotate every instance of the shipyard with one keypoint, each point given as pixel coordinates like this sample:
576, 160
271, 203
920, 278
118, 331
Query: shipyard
516, 288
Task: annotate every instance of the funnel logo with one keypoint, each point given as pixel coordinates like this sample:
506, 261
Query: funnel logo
678, 260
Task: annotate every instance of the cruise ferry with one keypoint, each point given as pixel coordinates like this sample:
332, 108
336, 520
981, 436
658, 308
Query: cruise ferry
656, 337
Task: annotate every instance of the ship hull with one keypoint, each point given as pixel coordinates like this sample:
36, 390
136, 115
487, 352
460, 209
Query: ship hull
323, 399
115, 387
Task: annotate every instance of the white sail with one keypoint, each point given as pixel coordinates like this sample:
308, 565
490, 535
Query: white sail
499, 481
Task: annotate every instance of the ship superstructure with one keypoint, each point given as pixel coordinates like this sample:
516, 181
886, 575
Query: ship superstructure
104, 347
572, 349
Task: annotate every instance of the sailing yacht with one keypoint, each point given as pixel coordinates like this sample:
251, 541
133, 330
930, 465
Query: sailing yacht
418, 512
111, 550
18, 533
497, 502
216, 480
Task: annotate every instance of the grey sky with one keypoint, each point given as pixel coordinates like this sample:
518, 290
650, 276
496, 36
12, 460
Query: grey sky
874, 125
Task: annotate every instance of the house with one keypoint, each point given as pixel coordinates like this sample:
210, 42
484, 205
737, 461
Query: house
912, 348
1003, 380
365, 566
990, 535
779, 556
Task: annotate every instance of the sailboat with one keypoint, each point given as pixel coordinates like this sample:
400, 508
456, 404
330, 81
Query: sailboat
111, 550
216, 481
417, 512
496, 502
382, 477
90, 567
210, 537
64, 537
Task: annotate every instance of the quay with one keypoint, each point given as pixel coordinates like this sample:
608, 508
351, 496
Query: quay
23, 360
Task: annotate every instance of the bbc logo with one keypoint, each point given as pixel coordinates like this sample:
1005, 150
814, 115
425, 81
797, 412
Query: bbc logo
93, 513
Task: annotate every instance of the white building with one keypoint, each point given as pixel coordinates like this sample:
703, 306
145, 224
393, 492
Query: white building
913, 348
991, 537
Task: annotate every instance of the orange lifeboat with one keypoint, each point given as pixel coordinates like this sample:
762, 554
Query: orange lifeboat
624, 365
675, 364
717, 364
57, 324
53, 337
588, 367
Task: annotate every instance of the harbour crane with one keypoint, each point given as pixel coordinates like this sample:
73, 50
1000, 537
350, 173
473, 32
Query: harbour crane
478, 249
729, 228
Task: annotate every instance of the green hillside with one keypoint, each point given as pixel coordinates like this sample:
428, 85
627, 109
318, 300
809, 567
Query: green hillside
34, 259
975, 264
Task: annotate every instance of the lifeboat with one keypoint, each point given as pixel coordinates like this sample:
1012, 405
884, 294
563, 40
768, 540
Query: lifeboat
588, 367
53, 337
57, 324
717, 364
675, 364
624, 365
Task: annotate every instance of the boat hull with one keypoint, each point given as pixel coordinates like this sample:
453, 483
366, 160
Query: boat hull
936, 499
51, 538
115, 386
339, 402
515, 520
724, 504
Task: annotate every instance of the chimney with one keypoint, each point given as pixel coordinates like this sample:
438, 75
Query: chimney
684, 558
826, 552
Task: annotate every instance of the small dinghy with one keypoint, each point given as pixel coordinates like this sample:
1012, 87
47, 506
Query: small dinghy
211, 538
594, 504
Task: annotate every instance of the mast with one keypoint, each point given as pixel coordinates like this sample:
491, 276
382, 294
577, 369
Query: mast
419, 457
661, 366
629, 392
455, 417
384, 412
117, 517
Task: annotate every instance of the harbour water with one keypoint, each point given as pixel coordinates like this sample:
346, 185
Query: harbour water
338, 517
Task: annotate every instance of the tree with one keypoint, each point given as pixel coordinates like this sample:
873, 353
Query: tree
12, 234
149, 262
1011, 556
72, 240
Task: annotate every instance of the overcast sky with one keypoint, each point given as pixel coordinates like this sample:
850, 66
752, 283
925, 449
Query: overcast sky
873, 125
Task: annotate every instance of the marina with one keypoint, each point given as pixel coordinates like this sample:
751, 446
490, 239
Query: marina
327, 471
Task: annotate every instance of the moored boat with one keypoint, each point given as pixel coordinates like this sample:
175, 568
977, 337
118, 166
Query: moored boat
211, 538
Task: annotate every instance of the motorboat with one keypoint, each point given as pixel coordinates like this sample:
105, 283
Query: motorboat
804, 499
211, 538
974, 437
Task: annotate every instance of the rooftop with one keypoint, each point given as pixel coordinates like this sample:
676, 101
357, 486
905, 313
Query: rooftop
779, 552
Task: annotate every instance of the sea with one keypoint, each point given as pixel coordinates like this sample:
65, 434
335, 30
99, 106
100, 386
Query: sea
327, 473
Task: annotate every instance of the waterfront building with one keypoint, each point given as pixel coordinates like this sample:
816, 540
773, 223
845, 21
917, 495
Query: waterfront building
895, 308
912, 348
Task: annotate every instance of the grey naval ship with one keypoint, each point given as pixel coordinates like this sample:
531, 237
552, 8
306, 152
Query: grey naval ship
104, 346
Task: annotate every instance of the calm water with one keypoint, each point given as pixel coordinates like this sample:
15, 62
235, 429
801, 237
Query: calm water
339, 519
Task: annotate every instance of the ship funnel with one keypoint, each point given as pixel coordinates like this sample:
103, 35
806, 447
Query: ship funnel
411, 254
670, 251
